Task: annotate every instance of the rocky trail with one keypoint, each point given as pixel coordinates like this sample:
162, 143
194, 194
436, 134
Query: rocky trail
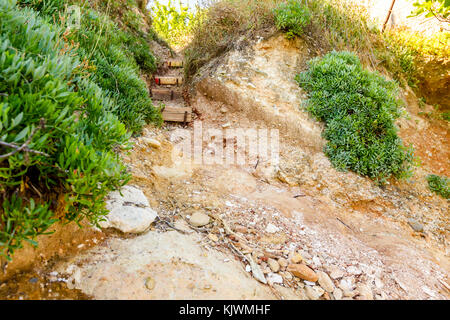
297, 229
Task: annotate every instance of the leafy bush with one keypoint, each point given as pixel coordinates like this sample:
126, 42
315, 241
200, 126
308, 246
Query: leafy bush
439, 185
359, 108
58, 130
103, 43
292, 17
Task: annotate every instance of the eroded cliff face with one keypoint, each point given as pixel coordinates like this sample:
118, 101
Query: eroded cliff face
259, 83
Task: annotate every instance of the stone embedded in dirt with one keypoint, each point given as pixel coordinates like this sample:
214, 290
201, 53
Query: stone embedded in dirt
152, 142
364, 292
416, 226
335, 273
130, 213
150, 283
273, 278
325, 281
273, 265
314, 293
337, 294
296, 257
283, 262
346, 285
240, 229
213, 237
199, 219
271, 228
223, 110
354, 270
303, 272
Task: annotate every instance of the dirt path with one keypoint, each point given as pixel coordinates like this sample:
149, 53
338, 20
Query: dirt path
263, 217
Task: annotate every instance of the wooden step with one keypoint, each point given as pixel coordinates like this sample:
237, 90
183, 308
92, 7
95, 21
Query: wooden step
174, 63
177, 114
168, 80
165, 94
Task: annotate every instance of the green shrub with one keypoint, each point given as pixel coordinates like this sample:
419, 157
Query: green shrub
439, 185
65, 123
292, 17
116, 70
359, 108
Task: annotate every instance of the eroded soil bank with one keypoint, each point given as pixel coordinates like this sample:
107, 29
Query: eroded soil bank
264, 216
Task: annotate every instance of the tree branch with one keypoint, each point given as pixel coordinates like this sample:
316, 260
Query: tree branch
24, 147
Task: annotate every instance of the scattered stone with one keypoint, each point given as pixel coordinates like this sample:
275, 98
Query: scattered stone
256, 270
150, 283
304, 254
213, 237
314, 293
130, 213
335, 273
364, 292
226, 125
416, 226
152, 142
273, 278
33, 280
316, 261
354, 270
337, 294
273, 264
347, 287
240, 229
296, 258
199, 219
325, 281
283, 262
272, 228
223, 110
303, 272
287, 275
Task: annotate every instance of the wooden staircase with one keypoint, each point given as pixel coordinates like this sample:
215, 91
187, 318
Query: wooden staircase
168, 90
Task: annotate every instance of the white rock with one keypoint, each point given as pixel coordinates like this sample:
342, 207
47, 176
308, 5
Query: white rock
314, 293
364, 292
272, 228
199, 219
152, 142
336, 273
337, 293
346, 285
130, 213
353, 270
274, 278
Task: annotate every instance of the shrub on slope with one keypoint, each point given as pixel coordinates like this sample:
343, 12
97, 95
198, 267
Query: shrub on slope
57, 130
359, 108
